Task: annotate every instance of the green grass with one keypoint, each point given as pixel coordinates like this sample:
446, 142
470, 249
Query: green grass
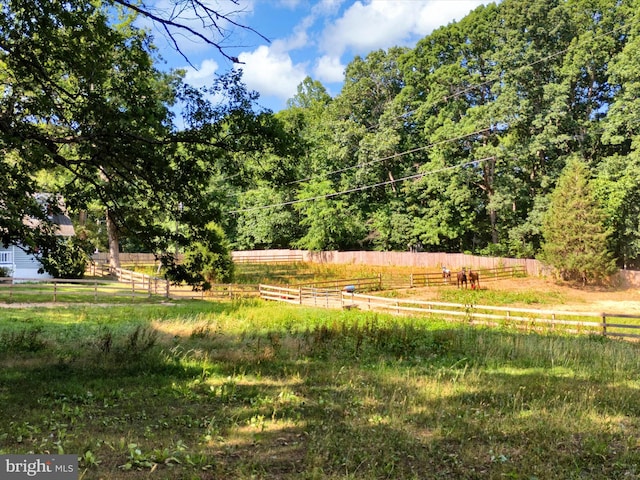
268, 391
499, 297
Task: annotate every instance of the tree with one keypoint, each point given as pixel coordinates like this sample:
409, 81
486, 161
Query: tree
207, 260
67, 258
329, 222
81, 97
263, 222
575, 240
617, 186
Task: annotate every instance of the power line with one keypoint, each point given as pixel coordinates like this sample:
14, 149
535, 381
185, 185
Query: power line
452, 96
432, 104
361, 188
389, 157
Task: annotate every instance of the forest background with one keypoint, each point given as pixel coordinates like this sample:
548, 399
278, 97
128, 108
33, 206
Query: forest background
456, 145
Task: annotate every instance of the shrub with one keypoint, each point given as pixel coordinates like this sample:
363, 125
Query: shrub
208, 260
66, 258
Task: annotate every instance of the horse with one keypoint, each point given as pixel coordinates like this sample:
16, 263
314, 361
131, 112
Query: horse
446, 275
474, 279
462, 278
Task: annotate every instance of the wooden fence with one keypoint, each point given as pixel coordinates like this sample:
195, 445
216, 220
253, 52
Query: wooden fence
113, 283
486, 275
365, 284
453, 261
65, 290
268, 256
311, 296
607, 324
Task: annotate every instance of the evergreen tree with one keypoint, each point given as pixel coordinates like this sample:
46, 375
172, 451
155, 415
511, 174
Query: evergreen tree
575, 240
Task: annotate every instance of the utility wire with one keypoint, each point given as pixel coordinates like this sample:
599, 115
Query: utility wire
389, 157
408, 114
361, 188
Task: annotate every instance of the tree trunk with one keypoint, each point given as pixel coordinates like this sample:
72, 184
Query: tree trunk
493, 216
114, 242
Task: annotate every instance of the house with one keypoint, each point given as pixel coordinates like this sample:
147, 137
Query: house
21, 265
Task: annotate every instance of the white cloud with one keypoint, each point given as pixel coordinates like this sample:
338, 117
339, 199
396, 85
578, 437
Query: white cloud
433, 15
271, 72
366, 27
329, 69
203, 76
374, 24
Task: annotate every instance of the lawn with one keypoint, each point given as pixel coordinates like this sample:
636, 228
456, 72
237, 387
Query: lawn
253, 390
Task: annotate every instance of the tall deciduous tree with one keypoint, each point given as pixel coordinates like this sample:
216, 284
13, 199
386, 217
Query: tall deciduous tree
80, 94
575, 239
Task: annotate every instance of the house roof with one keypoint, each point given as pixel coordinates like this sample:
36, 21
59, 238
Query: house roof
61, 219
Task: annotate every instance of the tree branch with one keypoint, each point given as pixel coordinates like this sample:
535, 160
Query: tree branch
211, 20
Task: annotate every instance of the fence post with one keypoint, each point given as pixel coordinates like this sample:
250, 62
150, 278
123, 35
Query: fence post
55, 291
300, 295
411, 280
604, 324
95, 290
379, 280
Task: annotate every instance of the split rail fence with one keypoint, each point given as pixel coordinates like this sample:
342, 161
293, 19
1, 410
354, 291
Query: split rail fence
430, 279
606, 324
112, 283
71, 290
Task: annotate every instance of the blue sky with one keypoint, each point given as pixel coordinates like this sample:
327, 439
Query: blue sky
307, 38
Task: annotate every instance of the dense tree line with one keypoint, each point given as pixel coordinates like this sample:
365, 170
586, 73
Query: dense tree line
457, 144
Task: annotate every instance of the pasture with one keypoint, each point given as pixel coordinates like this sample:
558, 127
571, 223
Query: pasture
247, 389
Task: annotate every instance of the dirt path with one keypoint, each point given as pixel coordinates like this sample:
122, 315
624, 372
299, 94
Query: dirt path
595, 299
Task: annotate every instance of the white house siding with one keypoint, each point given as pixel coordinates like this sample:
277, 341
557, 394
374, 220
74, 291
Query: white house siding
6, 259
20, 264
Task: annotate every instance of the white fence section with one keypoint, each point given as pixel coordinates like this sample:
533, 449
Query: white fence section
607, 324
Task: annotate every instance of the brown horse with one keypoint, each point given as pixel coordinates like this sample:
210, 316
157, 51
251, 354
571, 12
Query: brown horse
462, 278
474, 279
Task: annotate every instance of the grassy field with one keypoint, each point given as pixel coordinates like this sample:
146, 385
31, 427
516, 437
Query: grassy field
251, 390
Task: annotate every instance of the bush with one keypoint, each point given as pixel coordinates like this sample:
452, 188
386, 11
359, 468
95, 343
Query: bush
66, 258
206, 261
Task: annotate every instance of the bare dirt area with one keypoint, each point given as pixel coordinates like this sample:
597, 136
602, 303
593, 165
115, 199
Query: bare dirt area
591, 298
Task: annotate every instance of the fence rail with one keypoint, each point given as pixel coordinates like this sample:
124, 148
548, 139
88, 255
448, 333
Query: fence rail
268, 258
364, 284
606, 324
56, 290
110, 284
486, 274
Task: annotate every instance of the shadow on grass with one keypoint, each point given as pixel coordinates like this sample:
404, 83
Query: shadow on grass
372, 398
